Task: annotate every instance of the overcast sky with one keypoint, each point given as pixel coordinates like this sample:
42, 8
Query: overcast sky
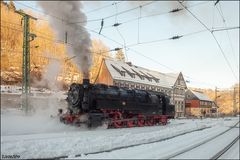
196, 55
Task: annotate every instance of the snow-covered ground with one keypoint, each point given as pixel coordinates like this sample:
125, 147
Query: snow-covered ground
11, 89
162, 149
38, 135
232, 153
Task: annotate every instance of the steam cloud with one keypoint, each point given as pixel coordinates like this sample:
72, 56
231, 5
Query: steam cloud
49, 77
78, 39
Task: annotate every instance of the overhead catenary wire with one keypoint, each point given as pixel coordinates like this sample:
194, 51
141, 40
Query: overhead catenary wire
219, 46
100, 53
59, 41
139, 17
152, 15
155, 61
167, 39
103, 7
124, 42
224, 29
225, 25
114, 15
16, 24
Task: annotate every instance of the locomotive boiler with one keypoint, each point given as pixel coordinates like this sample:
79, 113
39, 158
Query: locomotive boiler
97, 104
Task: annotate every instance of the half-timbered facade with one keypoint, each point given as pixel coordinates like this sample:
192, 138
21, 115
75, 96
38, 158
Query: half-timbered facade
123, 74
198, 104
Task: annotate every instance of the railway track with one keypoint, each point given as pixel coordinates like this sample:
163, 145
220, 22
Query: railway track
124, 147
225, 149
204, 142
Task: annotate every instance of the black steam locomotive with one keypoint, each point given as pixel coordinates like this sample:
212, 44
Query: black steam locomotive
97, 104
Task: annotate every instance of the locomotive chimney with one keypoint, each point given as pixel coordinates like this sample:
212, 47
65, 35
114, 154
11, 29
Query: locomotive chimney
85, 102
85, 83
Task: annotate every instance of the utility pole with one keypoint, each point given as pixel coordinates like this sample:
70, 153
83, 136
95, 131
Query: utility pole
26, 58
234, 101
216, 96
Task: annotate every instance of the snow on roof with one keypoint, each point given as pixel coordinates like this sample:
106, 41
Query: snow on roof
138, 74
201, 96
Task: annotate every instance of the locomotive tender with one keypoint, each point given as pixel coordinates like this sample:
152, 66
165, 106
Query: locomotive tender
96, 104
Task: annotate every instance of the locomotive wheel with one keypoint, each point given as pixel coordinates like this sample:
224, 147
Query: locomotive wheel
130, 123
117, 116
140, 121
163, 120
150, 121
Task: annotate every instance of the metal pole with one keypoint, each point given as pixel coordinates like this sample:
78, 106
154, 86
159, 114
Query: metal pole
234, 101
216, 100
26, 63
26, 60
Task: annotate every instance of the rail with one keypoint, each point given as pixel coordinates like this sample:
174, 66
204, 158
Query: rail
121, 147
198, 144
225, 149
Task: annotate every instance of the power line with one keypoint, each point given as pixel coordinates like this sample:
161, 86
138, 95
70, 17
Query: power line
151, 15
224, 56
225, 29
167, 39
225, 24
214, 39
17, 24
100, 8
19, 30
61, 42
131, 49
137, 52
100, 53
124, 42
39, 11
107, 17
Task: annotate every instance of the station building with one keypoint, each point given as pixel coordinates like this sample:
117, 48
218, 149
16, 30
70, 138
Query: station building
125, 74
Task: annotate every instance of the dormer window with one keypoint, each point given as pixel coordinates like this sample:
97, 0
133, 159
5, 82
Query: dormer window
118, 70
129, 73
123, 73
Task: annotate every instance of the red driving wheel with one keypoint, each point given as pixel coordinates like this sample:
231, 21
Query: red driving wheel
140, 120
117, 116
130, 123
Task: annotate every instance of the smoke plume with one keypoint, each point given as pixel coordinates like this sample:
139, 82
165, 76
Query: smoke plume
62, 15
49, 77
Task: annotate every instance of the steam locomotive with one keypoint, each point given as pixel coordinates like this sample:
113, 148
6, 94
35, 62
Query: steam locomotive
98, 104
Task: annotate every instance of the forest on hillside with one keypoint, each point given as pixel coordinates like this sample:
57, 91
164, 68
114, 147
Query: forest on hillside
49, 57
50, 65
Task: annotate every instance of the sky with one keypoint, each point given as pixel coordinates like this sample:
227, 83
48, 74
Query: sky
196, 54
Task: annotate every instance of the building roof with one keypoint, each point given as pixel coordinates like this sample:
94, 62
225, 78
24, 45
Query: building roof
138, 74
201, 96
